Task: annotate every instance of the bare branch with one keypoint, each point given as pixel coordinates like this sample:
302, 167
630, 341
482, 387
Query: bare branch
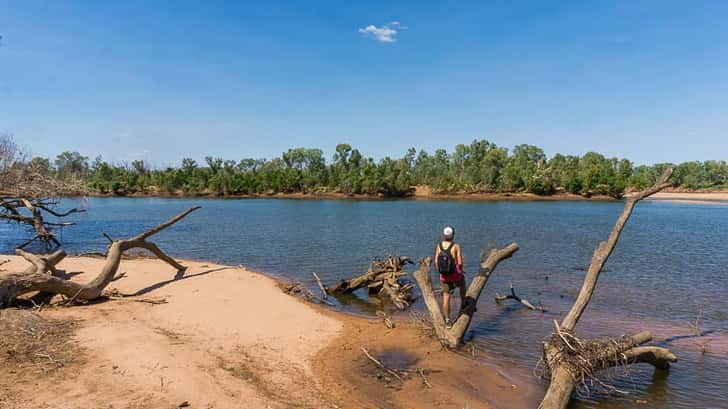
164, 225
35, 278
570, 360
602, 253
512, 296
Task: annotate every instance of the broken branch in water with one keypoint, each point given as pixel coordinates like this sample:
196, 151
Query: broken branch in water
512, 296
321, 285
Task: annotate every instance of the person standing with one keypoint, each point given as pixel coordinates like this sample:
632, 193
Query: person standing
449, 264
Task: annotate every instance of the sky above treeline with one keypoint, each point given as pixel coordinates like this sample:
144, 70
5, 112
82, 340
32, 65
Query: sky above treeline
159, 81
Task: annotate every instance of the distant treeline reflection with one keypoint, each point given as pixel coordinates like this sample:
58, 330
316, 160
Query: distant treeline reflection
480, 167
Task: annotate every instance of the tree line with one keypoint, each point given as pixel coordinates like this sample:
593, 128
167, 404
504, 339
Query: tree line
479, 167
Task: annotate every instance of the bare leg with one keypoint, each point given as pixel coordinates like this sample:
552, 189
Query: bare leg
463, 294
446, 304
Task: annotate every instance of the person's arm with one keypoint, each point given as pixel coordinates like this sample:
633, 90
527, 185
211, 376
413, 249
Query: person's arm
459, 257
437, 253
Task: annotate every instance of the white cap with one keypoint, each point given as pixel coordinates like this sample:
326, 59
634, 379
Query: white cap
448, 231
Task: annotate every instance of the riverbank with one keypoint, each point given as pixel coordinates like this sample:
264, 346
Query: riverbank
415, 195
425, 193
692, 197
218, 336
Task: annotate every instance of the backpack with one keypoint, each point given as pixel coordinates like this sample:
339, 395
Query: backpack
445, 261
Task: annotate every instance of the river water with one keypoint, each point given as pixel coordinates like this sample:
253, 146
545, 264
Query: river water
671, 262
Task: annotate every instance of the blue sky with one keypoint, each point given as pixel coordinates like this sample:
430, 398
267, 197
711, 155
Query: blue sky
159, 81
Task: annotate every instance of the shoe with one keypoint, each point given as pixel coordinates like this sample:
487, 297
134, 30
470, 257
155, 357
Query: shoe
448, 323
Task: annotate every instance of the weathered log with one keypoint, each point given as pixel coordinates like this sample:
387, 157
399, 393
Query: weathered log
452, 337
377, 271
569, 359
512, 296
353, 284
383, 278
35, 277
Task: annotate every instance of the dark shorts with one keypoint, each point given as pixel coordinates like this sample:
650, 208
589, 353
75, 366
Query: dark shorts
450, 286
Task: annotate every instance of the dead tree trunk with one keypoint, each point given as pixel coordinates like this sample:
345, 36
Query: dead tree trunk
452, 337
36, 277
570, 360
378, 270
383, 277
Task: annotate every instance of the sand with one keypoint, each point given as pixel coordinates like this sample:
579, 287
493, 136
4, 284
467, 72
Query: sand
214, 343
712, 198
226, 337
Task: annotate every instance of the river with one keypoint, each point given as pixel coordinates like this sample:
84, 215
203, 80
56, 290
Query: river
671, 262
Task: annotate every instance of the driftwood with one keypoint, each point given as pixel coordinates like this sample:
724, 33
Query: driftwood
386, 319
570, 360
512, 296
321, 286
29, 211
383, 278
28, 192
399, 373
452, 337
36, 277
381, 365
298, 288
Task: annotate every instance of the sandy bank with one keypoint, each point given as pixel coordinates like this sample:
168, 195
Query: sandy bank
226, 337
693, 197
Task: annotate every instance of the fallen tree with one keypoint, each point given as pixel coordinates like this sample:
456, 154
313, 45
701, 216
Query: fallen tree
29, 193
452, 337
570, 360
30, 212
37, 278
513, 296
383, 278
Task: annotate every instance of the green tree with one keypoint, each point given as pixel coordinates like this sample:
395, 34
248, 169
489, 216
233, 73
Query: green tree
72, 164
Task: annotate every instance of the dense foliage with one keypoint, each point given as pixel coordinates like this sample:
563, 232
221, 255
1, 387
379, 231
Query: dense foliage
478, 167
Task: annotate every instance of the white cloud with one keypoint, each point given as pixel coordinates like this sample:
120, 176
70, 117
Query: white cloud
384, 34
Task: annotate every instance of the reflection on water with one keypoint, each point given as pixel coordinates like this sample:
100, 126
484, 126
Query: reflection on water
672, 258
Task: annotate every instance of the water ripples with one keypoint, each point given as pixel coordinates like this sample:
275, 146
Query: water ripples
671, 259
